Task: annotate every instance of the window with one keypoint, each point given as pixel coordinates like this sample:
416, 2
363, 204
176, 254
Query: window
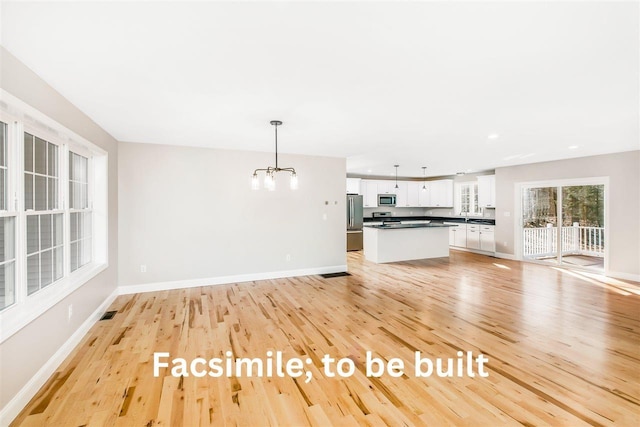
44, 223
53, 213
467, 198
7, 228
80, 224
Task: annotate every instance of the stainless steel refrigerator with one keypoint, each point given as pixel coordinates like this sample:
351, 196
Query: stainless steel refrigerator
354, 222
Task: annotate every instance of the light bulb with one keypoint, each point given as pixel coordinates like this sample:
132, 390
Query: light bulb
294, 181
255, 182
270, 181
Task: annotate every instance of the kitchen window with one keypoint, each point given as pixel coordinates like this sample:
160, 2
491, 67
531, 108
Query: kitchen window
53, 213
466, 202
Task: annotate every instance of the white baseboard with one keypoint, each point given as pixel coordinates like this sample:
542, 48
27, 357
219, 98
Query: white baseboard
224, 280
473, 251
26, 393
506, 256
624, 276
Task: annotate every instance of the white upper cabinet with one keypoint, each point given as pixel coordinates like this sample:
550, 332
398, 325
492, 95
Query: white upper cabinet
409, 193
487, 191
413, 193
423, 195
353, 186
370, 193
402, 194
386, 187
440, 193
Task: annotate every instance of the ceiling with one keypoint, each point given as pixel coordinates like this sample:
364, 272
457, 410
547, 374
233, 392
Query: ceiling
454, 86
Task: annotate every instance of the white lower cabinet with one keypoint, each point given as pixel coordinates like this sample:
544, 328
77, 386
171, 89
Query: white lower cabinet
457, 234
487, 238
473, 236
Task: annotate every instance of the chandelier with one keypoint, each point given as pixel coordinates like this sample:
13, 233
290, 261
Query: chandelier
270, 171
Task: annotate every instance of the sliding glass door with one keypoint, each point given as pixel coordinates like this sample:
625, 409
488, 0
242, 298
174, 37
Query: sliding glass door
564, 225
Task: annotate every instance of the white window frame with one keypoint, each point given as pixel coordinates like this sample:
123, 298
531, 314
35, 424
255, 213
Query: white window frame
81, 151
20, 117
474, 195
11, 206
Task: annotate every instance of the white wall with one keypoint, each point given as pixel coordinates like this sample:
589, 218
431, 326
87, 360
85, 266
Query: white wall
189, 213
623, 170
25, 352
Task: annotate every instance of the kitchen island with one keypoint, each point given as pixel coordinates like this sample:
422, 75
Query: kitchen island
404, 242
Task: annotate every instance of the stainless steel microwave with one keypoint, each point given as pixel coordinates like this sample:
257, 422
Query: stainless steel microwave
386, 199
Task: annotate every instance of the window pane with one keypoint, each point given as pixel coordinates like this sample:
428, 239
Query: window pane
3, 144
78, 181
3, 189
28, 152
40, 193
77, 199
72, 198
33, 234
28, 191
52, 193
7, 285
52, 160
74, 226
57, 230
46, 268
41, 156
57, 263
33, 273
85, 195
7, 239
74, 256
86, 232
46, 232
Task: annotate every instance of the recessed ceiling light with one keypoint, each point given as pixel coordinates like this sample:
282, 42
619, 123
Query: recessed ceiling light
493, 136
369, 171
573, 147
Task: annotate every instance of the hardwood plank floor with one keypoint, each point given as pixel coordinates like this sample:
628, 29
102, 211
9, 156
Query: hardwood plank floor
563, 349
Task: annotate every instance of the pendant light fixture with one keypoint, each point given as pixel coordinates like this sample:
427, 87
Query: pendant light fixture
424, 178
396, 166
270, 171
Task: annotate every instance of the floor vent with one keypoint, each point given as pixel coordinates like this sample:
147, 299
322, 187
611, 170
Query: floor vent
108, 315
330, 275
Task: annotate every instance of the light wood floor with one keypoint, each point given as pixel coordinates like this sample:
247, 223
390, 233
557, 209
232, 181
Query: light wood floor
563, 349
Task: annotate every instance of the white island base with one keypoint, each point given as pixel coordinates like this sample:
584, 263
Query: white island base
404, 244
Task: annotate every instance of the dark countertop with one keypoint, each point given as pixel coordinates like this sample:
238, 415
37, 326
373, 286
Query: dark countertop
398, 225
436, 219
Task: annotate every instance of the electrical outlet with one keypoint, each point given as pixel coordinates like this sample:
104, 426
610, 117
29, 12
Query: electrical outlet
70, 312
288, 257
143, 268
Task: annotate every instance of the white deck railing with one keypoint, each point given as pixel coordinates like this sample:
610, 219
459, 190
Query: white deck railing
576, 240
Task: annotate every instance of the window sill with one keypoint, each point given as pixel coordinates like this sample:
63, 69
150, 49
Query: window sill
20, 314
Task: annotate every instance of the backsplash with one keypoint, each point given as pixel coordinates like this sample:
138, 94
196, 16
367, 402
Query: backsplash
368, 212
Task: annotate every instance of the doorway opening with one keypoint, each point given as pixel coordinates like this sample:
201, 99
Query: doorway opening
565, 225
